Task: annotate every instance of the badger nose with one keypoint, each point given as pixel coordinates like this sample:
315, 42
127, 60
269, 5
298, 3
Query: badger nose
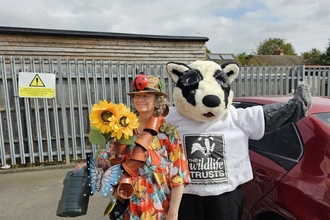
211, 101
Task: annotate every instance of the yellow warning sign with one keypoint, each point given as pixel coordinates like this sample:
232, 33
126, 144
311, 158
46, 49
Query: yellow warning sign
37, 92
37, 82
36, 85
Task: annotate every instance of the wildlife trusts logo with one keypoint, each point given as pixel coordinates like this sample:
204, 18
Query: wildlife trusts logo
206, 158
206, 149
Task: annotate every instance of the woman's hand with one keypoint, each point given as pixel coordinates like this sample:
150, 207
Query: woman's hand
171, 215
176, 195
79, 166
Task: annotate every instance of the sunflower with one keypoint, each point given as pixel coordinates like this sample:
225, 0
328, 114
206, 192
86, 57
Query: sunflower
123, 109
102, 114
124, 125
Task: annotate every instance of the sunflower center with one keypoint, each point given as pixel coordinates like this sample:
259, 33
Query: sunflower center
105, 115
124, 121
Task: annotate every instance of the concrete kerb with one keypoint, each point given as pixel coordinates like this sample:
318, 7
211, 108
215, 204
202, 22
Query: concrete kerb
37, 168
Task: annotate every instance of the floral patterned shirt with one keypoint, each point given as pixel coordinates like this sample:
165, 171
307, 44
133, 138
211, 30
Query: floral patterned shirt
165, 167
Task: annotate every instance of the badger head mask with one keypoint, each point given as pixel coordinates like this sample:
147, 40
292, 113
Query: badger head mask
202, 91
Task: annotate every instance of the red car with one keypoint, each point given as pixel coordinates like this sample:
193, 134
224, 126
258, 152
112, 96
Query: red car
291, 166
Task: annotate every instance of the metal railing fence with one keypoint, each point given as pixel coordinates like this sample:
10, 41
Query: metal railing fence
34, 130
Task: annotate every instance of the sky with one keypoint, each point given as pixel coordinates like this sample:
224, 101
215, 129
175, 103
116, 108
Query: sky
234, 26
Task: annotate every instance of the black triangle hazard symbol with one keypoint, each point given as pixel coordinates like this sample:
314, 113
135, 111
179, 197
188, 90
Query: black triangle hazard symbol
37, 82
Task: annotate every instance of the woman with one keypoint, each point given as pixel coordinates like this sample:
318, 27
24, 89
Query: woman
158, 178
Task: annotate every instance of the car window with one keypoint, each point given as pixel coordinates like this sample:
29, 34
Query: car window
283, 146
324, 117
243, 104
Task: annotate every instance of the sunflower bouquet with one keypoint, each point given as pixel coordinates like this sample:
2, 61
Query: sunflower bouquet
111, 121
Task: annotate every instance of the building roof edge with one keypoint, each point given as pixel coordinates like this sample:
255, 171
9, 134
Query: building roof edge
59, 32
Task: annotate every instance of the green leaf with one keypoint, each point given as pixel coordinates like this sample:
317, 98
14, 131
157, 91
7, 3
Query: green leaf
96, 137
129, 141
161, 87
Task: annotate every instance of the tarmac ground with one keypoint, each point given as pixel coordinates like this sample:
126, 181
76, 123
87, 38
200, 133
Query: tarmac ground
33, 194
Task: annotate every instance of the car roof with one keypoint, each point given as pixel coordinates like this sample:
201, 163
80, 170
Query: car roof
319, 103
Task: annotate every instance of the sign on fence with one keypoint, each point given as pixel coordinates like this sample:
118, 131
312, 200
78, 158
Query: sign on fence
36, 85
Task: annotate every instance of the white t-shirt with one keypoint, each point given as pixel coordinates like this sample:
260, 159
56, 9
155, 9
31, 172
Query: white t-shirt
217, 151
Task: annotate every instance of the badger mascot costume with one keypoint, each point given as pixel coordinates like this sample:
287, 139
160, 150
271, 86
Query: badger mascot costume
215, 135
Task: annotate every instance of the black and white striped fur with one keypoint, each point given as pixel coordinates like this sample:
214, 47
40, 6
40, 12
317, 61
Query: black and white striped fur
202, 90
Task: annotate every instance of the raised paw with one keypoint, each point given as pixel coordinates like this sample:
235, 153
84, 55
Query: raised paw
303, 93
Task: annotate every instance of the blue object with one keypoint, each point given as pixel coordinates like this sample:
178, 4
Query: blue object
105, 181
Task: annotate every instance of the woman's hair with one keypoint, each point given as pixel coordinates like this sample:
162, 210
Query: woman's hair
161, 106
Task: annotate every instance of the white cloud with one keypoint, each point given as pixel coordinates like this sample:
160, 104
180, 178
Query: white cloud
234, 26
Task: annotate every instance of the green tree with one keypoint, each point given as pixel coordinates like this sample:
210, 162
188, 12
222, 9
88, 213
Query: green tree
312, 57
244, 58
325, 57
207, 50
268, 46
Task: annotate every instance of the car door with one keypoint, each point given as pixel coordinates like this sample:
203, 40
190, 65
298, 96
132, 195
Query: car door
271, 159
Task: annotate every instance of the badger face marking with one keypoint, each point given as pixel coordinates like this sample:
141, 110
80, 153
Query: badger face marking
202, 91
214, 101
222, 78
188, 83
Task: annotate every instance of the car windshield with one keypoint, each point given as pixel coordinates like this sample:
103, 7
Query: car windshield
324, 117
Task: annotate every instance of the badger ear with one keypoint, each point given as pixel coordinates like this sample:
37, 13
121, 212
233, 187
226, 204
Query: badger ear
175, 70
231, 69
